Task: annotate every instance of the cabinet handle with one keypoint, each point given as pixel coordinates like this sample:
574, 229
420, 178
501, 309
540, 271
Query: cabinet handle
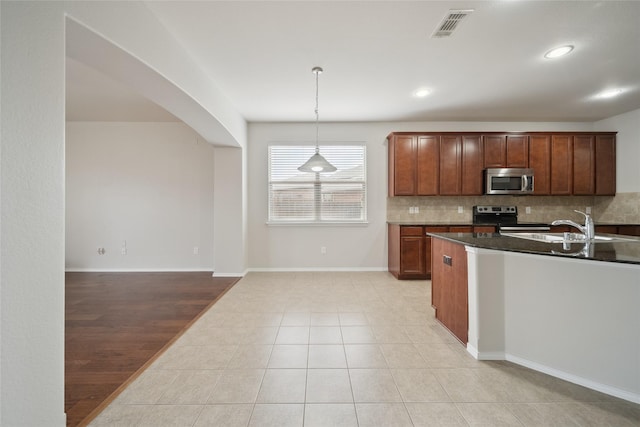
447, 259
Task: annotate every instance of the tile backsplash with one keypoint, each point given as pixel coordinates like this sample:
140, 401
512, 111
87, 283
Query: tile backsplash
623, 208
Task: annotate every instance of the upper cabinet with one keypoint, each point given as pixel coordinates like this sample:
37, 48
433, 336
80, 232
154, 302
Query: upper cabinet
506, 151
413, 165
605, 155
452, 163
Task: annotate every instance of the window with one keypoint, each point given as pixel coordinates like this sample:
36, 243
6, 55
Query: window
318, 198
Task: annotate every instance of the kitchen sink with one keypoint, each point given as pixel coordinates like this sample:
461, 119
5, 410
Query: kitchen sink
570, 237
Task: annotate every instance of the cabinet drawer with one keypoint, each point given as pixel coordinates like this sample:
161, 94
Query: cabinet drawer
410, 231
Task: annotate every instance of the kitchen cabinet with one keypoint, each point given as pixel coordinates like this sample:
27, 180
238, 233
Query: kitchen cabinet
584, 165
410, 247
540, 162
452, 163
413, 165
407, 251
506, 151
461, 165
561, 164
605, 171
428, 246
449, 286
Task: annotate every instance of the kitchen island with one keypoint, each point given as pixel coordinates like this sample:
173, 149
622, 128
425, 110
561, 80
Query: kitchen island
563, 310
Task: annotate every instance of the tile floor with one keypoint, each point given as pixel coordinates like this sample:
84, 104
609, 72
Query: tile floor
343, 349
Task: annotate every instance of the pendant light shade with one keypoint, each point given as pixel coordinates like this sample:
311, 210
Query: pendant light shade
317, 163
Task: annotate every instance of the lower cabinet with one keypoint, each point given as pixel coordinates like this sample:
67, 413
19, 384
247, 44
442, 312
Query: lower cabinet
410, 247
449, 287
407, 251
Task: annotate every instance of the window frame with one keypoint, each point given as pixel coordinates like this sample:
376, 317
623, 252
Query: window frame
318, 201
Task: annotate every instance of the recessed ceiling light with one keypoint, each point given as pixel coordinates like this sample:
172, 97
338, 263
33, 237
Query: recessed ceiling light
421, 93
610, 93
558, 52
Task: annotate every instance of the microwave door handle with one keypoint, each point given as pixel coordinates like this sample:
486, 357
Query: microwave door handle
525, 182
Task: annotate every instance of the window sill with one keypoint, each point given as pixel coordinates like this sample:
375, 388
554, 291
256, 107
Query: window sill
318, 224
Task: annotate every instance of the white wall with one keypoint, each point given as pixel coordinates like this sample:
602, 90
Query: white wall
149, 184
628, 148
352, 247
32, 214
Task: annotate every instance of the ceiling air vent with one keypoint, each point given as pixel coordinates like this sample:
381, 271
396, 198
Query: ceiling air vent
450, 22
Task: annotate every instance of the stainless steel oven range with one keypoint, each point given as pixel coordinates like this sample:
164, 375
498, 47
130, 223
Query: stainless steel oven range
505, 218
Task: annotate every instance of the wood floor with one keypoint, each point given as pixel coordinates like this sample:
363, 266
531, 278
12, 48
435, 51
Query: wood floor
116, 322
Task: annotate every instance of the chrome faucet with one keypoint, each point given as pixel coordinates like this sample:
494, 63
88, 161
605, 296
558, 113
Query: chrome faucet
587, 229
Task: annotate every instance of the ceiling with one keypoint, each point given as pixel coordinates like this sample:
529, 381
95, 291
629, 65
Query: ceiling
376, 54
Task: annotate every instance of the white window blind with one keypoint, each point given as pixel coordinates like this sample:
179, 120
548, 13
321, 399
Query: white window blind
304, 197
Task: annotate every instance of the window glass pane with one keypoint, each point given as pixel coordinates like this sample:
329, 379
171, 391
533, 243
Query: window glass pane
296, 196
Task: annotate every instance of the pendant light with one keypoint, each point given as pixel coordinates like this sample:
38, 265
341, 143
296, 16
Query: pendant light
317, 163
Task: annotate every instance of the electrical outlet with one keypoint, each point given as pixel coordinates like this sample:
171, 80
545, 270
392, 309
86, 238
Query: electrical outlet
323, 250
416, 209
527, 210
101, 251
460, 209
123, 251
196, 250
588, 210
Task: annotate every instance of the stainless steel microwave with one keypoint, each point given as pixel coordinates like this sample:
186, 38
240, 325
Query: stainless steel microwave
508, 181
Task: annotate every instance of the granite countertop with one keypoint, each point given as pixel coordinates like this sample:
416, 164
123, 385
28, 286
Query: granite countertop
623, 252
462, 223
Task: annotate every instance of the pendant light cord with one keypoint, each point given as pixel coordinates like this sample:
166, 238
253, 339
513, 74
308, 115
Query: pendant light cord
317, 71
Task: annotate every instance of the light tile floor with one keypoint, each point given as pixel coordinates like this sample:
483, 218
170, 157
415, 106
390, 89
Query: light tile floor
343, 349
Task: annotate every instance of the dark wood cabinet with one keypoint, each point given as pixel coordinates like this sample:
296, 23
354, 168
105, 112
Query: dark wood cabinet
407, 251
428, 239
605, 169
584, 166
449, 287
413, 165
402, 165
410, 247
461, 165
540, 162
471, 166
506, 151
561, 164
452, 163
428, 154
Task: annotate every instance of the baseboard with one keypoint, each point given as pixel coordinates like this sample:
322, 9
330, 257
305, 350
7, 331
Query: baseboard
612, 391
223, 274
485, 355
317, 269
137, 270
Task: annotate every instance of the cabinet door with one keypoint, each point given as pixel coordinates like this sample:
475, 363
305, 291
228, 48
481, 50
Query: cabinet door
404, 165
561, 164
412, 257
428, 165
495, 151
517, 151
471, 166
605, 165
506, 151
450, 165
427, 246
540, 162
584, 166
449, 287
